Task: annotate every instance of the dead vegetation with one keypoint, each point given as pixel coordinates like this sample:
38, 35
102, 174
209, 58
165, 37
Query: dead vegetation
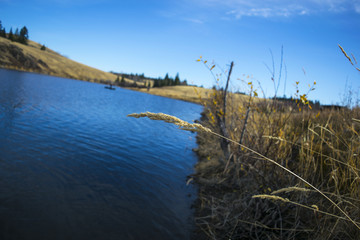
249, 181
302, 187
270, 169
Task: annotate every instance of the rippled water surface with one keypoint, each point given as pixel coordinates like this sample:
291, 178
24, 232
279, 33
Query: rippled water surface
73, 166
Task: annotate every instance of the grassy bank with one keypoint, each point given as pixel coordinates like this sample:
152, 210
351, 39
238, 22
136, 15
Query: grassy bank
247, 186
186, 93
270, 169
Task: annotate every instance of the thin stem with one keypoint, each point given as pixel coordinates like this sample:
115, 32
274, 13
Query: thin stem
292, 173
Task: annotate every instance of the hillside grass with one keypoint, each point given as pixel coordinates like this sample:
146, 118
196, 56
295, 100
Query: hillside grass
186, 93
31, 59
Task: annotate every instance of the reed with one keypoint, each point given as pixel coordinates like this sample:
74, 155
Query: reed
183, 125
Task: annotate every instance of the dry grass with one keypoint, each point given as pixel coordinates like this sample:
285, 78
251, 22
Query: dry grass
321, 149
233, 200
276, 170
183, 125
186, 93
30, 58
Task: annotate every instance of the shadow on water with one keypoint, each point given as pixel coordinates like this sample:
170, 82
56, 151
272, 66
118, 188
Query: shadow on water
73, 166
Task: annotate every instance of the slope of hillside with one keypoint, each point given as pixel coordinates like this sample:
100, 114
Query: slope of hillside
31, 58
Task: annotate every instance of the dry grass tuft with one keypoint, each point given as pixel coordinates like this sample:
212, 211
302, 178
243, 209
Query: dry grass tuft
272, 197
318, 153
222, 178
183, 125
251, 146
291, 189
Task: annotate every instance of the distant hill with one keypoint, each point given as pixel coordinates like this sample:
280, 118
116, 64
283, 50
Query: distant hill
31, 58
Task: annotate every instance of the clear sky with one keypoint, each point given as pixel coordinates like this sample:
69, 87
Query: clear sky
156, 37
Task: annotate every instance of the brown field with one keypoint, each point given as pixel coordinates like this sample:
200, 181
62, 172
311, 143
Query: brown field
186, 93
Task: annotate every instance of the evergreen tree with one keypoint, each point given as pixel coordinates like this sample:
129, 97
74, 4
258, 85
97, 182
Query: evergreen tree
2, 31
11, 35
166, 80
177, 80
122, 81
24, 35
171, 82
17, 33
156, 83
117, 81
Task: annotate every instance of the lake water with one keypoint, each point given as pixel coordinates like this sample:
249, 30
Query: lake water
73, 166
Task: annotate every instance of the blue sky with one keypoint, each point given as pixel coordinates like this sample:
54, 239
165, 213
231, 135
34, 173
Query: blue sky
156, 37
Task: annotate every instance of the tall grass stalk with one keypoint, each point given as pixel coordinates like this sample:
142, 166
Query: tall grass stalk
198, 127
319, 150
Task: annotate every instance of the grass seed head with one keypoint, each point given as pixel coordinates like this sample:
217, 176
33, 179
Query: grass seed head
183, 125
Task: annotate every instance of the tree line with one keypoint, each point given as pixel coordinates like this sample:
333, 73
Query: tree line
158, 82
168, 81
20, 36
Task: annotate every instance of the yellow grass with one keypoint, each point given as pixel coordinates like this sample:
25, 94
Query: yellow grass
183, 125
186, 93
198, 127
29, 57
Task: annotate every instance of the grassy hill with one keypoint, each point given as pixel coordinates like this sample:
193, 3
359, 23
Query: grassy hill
185, 93
31, 58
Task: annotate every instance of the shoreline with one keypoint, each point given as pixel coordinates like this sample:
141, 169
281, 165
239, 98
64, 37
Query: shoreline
172, 92
30, 58
245, 196
192, 98
158, 92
